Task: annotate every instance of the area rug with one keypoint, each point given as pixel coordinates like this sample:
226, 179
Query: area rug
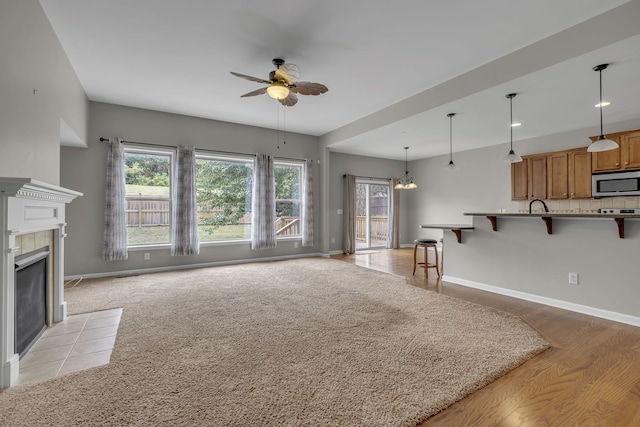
308, 342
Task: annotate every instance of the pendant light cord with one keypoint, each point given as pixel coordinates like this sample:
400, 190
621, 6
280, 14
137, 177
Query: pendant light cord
450, 137
511, 119
601, 130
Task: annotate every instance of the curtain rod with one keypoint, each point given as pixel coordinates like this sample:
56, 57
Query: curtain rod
201, 149
369, 177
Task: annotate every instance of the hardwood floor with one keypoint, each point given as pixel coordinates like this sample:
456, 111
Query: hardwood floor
589, 377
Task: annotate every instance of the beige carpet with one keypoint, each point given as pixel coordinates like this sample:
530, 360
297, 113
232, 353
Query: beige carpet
310, 342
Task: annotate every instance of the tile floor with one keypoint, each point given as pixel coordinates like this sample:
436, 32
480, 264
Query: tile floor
79, 342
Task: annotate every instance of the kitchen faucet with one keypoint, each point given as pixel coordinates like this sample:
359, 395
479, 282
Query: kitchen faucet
546, 209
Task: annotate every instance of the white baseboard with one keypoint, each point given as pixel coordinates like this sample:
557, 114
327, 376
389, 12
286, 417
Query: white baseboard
578, 308
189, 266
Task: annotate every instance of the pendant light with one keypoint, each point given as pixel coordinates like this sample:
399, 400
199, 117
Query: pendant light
512, 157
451, 166
406, 182
602, 144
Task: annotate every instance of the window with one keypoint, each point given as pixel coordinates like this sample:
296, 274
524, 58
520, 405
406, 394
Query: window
148, 195
224, 185
224, 198
288, 198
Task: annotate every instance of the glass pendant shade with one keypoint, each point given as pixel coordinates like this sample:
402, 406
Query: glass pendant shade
602, 144
511, 157
278, 91
451, 166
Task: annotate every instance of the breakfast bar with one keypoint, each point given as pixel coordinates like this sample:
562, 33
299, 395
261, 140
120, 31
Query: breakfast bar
455, 228
548, 217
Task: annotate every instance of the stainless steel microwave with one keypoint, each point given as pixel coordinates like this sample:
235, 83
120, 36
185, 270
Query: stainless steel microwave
616, 184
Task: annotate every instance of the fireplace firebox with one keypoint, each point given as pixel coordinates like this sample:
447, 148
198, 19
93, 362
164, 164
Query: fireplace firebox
30, 298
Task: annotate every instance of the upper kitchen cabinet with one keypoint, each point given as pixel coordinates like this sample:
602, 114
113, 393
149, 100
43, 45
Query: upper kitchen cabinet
626, 157
529, 178
569, 174
558, 175
579, 174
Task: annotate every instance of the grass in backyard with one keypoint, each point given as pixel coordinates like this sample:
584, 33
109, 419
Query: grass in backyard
207, 233
146, 190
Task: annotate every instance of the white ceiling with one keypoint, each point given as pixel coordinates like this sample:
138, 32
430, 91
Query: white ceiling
394, 69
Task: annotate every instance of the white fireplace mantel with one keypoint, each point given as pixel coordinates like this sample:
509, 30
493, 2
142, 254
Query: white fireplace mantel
28, 206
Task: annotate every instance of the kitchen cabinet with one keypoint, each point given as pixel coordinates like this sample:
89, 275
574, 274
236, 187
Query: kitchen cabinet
569, 174
519, 181
626, 157
579, 174
529, 178
556, 176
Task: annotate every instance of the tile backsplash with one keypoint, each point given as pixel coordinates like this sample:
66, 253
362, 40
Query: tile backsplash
579, 205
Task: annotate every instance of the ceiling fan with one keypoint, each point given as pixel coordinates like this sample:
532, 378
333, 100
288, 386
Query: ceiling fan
283, 84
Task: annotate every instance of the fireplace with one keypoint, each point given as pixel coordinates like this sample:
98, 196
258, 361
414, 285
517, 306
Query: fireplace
32, 216
30, 298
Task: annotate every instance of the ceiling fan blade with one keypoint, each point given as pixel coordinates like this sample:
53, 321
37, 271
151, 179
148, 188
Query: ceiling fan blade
290, 100
308, 88
253, 79
282, 76
292, 71
255, 92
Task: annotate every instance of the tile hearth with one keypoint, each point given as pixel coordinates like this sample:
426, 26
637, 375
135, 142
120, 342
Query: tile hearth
80, 342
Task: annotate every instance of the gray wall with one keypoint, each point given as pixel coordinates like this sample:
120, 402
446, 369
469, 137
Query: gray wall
366, 167
84, 169
32, 59
521, 256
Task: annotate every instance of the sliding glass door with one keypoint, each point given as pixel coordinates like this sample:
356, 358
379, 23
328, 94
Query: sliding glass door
372, 214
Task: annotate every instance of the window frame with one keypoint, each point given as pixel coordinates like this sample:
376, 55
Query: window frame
203, 154
239, 158
160, 151
300, 165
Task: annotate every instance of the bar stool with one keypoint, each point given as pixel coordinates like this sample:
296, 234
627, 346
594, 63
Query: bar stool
425, 244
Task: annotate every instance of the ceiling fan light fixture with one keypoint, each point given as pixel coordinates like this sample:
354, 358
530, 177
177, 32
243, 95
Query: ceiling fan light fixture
511, 157
406, 182
602, 144
278, 91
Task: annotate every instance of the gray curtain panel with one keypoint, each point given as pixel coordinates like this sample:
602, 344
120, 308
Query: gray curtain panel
263, 203
306, 215
393, 241
349, 215
184, 212
115, 211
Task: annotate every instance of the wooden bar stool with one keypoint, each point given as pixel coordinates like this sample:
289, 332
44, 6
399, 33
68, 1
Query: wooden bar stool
425, 244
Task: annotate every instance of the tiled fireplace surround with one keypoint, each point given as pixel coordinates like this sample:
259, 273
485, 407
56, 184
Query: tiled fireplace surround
32, 216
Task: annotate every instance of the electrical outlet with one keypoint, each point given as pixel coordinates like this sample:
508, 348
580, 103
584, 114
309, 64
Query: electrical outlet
147, 256
295, 245
333, 240
573, 278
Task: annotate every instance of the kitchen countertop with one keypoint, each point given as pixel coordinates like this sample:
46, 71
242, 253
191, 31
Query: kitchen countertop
554, 215
547, 217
